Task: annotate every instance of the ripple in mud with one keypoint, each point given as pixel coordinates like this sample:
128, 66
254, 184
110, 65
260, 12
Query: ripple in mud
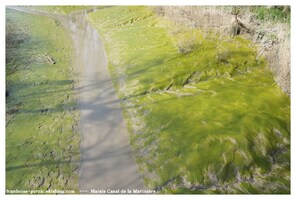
36, 182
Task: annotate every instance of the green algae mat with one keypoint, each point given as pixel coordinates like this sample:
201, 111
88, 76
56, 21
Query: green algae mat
42, 138
203, 110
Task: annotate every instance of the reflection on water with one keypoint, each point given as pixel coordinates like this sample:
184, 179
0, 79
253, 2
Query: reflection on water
104, 133
89, 50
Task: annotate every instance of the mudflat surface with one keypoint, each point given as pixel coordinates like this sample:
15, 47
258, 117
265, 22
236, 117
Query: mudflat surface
106, 157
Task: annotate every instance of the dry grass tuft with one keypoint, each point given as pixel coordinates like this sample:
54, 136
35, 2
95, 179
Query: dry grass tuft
186, 45
276, 49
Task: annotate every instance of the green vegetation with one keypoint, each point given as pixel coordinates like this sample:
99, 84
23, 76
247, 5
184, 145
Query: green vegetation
42, 140
273, 13
64, 10
204, 113
61, 9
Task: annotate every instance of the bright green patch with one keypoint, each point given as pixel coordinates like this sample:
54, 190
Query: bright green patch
42, 140
203, 111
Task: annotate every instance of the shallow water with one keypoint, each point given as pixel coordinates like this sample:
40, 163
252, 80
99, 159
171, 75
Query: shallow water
106, 160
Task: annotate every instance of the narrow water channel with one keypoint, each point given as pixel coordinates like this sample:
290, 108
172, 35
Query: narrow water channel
106, 161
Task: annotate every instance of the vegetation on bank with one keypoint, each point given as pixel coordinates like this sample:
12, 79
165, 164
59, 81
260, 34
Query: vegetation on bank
273, 13
42, 140
266, 26
64, 10
60, 9
203, 110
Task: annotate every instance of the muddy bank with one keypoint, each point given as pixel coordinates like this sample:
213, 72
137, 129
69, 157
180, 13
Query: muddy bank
42, 142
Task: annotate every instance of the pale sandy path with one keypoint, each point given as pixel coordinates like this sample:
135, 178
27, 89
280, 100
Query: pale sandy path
106, 157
